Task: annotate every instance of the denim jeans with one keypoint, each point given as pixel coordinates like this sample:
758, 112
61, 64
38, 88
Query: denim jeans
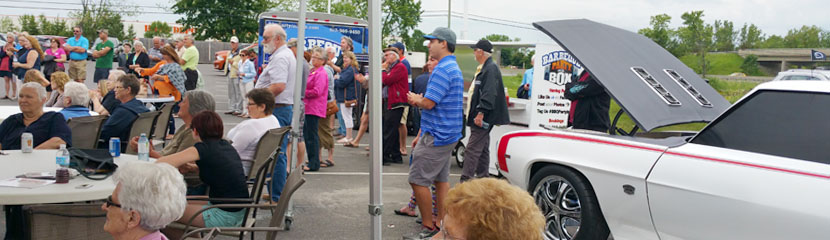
342, 128
283, 115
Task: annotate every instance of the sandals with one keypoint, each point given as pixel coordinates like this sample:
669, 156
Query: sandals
351, 145
329, 163
403, 212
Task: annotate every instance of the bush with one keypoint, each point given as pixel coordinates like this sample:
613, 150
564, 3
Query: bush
750, 66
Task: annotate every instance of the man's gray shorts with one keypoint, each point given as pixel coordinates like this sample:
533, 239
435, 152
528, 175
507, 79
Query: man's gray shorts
430, 164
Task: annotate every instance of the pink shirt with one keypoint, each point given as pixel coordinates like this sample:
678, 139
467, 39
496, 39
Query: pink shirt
316, 92
57, 54
154, 236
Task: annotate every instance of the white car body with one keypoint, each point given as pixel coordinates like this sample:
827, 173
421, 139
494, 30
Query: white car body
803, 74
685, 190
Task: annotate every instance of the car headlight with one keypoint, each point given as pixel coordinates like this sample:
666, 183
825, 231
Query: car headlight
220, 58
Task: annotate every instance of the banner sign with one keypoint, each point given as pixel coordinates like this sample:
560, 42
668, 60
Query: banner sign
322, 35
553, 70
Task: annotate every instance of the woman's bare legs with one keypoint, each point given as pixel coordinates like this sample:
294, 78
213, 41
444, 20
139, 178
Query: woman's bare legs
364, 125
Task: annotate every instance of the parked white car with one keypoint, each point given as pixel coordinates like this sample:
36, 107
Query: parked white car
759, 170
803, 74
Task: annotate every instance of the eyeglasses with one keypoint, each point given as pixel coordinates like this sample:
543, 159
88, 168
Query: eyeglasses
110, 203
76, 31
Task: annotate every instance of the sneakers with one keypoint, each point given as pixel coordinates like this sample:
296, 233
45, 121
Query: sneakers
425, 233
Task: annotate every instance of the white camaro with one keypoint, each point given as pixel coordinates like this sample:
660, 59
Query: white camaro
759, 170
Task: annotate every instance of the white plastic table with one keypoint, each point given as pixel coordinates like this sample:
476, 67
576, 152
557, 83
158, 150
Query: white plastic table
6, 111
156, 99
15, 163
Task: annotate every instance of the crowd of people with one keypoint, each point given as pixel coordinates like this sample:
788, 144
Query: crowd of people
334, 93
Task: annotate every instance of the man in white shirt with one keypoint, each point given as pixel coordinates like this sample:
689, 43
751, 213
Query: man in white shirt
279, 77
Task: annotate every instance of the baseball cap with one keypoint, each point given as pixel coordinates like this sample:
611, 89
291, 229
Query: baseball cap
442, 33
104, 30
398, 45
391, 49
291, 43
484, 45
234, 39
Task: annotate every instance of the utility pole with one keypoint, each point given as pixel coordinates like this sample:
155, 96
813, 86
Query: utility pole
449, 13
328, 7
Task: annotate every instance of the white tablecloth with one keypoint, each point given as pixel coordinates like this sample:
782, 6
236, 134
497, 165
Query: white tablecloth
6, 111
16, 163
156, 99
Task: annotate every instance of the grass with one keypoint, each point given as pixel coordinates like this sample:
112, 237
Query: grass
731, 90
719, 63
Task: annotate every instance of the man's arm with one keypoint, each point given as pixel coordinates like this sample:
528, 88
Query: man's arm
276, 88
420, 101
278, 72
52, 143
488, 95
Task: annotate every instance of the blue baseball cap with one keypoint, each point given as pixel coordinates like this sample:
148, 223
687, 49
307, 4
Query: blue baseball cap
398, 45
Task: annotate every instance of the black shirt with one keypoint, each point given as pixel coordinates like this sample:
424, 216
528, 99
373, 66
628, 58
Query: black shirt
109, 102
221, 169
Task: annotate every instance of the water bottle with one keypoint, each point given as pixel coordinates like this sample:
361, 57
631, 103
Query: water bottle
62, 157
143, 148
485, 125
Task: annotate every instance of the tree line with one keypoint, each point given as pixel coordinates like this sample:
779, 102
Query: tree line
697, 37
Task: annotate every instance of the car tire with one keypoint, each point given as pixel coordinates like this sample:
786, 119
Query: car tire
458, 154
571, 210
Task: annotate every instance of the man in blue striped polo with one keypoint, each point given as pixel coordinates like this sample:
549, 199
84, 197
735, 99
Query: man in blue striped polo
441, 125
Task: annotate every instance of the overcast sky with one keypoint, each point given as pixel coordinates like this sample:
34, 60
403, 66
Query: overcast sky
772, 16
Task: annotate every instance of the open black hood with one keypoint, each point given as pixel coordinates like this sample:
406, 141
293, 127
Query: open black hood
649, 83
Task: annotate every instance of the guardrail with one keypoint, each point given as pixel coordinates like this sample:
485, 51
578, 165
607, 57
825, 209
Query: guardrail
747, 78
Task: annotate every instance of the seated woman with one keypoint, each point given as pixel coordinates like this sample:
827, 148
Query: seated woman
49, 129
219, 167
246, 134
489, 208
106, 104
59, 79
76, 98
35, 76
167, 76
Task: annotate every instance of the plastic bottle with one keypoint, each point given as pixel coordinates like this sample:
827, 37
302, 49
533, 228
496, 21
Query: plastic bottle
62, 157
143, 148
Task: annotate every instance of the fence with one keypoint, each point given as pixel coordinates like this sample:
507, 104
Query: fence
206, 49
737, 78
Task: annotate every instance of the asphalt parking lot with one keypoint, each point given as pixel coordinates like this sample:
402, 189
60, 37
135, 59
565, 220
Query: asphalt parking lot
333, 203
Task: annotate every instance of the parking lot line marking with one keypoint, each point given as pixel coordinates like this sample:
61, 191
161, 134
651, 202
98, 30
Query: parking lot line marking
364, 174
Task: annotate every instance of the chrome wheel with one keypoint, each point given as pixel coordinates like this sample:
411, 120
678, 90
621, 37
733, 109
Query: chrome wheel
559, 202
459, 154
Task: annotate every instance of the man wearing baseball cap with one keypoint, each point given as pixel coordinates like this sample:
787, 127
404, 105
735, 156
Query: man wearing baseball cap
488, 108
402, 127
235, 96
441, 125
103, 54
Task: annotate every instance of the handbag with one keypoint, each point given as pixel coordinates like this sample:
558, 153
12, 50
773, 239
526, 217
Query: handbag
331, 108
350, 103
94, 164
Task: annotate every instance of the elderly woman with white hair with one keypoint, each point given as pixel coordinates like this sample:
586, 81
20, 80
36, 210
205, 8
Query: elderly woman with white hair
76, 98
138, 59
147, 197
49, 129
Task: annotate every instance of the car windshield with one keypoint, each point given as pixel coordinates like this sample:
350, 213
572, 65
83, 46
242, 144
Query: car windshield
800, 77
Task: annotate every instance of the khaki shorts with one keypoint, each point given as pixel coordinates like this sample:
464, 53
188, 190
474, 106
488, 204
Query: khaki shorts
77, 70
430, 163
403, 117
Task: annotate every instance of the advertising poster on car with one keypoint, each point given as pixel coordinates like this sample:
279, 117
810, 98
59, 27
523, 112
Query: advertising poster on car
324, 35
554, 68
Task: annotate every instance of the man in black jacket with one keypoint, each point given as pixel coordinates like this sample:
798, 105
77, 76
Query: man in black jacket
488, 108
589, 103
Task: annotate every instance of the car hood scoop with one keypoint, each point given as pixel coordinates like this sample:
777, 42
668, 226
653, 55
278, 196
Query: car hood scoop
648, 82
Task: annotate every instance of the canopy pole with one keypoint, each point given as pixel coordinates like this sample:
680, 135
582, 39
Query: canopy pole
299, 89
375, 181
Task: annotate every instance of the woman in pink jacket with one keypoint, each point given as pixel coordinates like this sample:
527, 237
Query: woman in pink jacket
316, 92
